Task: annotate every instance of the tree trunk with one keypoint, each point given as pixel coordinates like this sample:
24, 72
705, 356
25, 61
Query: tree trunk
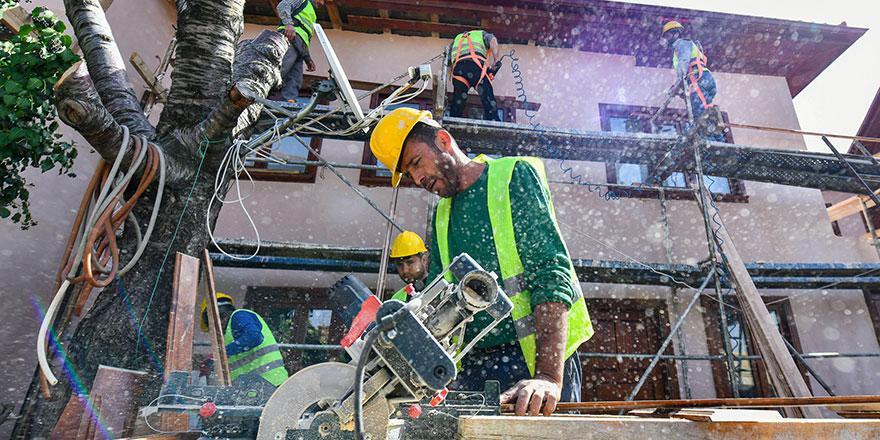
127, 325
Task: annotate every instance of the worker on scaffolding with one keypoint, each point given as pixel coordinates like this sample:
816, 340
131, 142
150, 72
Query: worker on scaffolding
410, 258
475, 61
690, 64
250, 345
499, 212
298, 19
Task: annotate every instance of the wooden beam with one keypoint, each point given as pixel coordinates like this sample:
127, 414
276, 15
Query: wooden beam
148, 76
178, 354
221, 362
784, 374
335, 18
850, 206
612, 427
261, 20
521, 33
383, 14
435, 18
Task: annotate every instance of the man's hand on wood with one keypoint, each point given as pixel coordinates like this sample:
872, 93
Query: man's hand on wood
534, 394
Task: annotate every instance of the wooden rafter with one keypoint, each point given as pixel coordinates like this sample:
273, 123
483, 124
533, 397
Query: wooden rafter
335, 18
383, 14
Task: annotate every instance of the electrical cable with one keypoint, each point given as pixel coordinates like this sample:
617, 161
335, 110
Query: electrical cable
97, 231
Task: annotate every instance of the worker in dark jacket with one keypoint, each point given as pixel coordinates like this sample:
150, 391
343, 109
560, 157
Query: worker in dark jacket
474, 56
250, 345
298, 25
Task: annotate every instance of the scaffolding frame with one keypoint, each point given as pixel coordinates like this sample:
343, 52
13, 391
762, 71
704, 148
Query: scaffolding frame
844, 173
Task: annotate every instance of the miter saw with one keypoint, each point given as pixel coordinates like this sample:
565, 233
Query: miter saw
404, 356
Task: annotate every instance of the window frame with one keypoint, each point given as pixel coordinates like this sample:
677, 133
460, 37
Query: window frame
259, 172
678, 117
715, 344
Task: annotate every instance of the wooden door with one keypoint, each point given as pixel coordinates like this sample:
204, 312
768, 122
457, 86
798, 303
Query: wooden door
633, 327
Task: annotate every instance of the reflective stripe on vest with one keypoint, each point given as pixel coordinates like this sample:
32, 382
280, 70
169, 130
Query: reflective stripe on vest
580, 328
306, 23
264, 359
698, 60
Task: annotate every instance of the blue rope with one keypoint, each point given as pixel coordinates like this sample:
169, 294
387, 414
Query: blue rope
203, 149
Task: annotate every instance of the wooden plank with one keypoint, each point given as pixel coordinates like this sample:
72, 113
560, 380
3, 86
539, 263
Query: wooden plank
335, 18
221, 362
149, 77
611, 427
784, 375
850, 206
111, 407
178, 355
16, 17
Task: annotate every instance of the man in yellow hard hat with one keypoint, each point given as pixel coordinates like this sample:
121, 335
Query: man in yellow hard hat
250, 345
499, 212
410, 257
690, 64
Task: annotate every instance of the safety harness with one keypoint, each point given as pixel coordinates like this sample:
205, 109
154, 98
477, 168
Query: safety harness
478, 58
697, 65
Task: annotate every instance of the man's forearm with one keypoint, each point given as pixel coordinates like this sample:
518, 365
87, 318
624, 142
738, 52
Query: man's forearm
551, 329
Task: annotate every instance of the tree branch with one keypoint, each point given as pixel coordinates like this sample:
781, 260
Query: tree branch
255, 72
207, 33
79, 106
106, 65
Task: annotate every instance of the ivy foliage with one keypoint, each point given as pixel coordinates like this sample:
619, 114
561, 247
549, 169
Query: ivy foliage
30, 65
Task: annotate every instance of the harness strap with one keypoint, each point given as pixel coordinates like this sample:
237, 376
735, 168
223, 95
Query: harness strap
480, 61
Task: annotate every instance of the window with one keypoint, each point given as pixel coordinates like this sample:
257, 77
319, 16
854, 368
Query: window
299, 316
751, 375
630, 119
266, 162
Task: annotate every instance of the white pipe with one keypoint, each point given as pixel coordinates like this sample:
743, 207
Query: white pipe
44, 329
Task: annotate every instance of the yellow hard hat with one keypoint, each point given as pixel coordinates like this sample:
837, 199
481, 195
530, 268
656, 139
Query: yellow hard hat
671, 25
406, 244
390, 133
222, 299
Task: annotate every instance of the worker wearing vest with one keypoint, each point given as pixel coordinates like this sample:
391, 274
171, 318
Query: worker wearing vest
410, 258
498, 211
474, 57
689, 63
298, 25
250, 345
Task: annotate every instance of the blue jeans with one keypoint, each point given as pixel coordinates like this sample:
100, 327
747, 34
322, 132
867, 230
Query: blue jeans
506, 364
706, 84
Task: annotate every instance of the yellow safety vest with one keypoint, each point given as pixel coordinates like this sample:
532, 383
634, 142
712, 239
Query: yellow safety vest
698, 65
264, 359
580, 328
305, 23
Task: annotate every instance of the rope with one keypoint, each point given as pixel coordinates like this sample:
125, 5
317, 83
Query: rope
203, 149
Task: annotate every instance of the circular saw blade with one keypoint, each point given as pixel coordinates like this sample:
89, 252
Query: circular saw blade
328, 380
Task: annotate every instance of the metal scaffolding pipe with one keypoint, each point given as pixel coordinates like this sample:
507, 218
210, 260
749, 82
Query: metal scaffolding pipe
669, 337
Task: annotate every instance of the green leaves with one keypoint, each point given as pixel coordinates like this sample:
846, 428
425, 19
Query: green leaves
29, 66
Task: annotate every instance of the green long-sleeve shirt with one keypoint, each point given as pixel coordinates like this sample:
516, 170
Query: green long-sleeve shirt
544, 257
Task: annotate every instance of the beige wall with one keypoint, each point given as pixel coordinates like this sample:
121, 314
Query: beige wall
778, 224
29, 259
